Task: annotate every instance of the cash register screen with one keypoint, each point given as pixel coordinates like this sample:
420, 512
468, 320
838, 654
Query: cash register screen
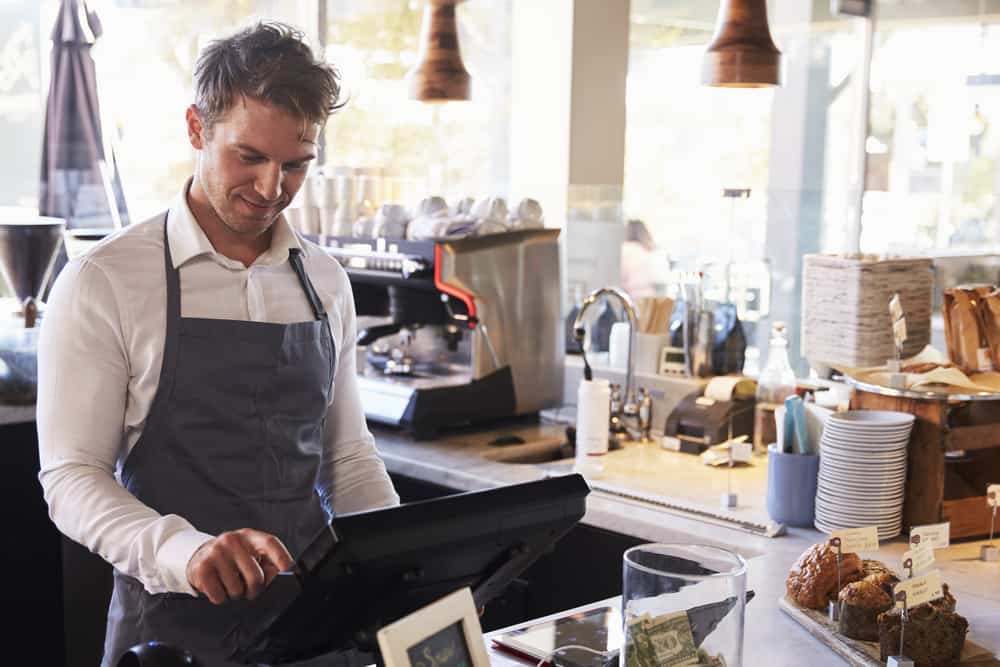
598, 629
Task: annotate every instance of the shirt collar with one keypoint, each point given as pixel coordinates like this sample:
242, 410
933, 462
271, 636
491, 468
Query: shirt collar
187, 239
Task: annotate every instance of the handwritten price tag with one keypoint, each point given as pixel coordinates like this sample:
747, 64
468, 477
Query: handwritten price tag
993, 495
937, 534
919, 590
919, 558
857, 539
899, 331
895, 307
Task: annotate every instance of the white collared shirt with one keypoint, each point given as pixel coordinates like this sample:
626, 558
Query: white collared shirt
99, 357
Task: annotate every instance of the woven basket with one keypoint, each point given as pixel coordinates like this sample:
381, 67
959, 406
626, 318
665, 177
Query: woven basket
845, 308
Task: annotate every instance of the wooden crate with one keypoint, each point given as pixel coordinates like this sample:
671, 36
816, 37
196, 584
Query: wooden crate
934, 491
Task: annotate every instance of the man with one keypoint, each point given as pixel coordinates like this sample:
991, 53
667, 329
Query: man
198, 413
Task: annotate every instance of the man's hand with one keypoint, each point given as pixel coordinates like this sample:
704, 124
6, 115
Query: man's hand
237, 564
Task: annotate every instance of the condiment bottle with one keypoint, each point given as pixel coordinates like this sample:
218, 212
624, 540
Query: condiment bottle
776, 382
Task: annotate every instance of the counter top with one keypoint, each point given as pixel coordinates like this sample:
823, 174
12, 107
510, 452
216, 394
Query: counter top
16, 414
460, 462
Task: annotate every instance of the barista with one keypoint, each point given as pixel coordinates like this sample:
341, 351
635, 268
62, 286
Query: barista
198, 413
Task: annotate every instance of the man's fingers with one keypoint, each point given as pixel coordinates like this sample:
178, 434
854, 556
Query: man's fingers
272, 552
226, 569
270, 570
208, 583
237, 564
249, 569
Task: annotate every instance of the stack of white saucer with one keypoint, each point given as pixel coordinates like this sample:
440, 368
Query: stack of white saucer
862, 471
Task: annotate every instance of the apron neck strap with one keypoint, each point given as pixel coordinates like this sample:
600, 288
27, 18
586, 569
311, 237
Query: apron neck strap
173, 281
295, 259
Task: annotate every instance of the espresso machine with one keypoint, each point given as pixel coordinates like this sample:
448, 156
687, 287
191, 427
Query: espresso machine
456, 332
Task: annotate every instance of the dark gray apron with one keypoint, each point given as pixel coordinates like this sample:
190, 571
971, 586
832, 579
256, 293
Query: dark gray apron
233, 440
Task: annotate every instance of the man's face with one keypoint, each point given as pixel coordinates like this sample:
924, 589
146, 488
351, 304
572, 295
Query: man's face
252, 162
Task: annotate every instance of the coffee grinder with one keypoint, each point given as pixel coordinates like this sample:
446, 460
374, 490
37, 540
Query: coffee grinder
28, 249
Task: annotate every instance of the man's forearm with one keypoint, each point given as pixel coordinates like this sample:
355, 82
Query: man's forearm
89, 506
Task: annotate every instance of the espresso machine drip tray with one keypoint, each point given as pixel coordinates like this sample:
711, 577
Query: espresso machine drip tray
429, 403
398, 363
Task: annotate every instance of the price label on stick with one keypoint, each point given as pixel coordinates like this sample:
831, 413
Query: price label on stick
857, 539
899, 331
938, 535
993, 495
919, 558
920, 589
895, 307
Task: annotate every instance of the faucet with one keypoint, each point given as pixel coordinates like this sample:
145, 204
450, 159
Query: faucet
630, 409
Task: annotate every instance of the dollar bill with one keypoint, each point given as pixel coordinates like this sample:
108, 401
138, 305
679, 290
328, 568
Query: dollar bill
671, 639
709, 660
664, 641
638, 647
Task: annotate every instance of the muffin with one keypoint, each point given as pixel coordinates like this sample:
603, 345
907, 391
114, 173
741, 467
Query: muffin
886, 580
934, 636
812, 581
861, 603
946, 602
876, 567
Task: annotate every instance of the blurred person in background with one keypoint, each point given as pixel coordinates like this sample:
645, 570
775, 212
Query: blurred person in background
643, 265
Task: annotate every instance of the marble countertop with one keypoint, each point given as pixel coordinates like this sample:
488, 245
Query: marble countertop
16, 414
463, 461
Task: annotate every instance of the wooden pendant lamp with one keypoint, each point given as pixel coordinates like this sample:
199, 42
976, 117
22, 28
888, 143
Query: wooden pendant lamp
439, 75
742, 53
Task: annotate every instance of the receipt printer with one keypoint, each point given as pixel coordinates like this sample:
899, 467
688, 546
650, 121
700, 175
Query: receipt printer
702, 420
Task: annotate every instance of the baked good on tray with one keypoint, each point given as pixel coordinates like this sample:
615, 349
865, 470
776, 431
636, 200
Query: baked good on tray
812, 581
885, 580
934, 634
872, 567
861, 602
946, 602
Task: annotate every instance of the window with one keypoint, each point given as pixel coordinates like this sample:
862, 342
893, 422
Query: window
455, 149
22, 97
934, 143
686, 142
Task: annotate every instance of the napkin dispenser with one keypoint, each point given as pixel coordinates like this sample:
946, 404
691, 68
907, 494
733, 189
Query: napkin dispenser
702, 420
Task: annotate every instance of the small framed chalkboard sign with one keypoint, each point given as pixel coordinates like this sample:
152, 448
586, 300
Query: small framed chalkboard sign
445, 633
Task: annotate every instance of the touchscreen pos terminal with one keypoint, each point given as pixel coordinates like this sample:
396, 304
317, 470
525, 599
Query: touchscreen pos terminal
369, 569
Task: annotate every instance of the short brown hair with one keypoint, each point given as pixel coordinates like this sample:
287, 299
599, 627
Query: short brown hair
269, 62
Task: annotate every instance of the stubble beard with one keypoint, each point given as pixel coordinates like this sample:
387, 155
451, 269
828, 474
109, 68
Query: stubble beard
242, 226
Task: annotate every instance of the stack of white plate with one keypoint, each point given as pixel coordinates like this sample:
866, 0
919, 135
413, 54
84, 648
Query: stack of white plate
862, 471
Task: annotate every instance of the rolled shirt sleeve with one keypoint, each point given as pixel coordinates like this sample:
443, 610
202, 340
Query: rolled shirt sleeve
83, 379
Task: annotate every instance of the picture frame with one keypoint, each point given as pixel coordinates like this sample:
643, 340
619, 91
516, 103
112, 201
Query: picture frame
445, 633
